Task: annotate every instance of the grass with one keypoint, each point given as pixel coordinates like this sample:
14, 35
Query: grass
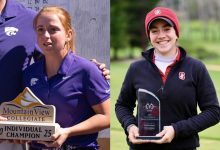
210, 138
118, 142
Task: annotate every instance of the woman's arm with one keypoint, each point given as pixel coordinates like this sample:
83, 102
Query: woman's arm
99, 121
125, 104
207, 102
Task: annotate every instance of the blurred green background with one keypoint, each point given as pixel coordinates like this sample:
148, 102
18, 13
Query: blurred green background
199, 35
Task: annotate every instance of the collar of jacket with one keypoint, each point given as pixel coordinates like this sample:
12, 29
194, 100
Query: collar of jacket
148, 54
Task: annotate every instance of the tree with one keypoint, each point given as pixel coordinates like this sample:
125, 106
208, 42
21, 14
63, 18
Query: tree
137, 11
118, 31
127, 24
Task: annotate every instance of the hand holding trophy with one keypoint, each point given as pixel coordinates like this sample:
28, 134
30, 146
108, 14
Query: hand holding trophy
27, 118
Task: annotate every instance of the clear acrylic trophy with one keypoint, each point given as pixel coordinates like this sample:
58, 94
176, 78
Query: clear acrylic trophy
149, 122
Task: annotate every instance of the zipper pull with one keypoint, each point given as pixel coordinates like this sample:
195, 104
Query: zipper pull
161, 89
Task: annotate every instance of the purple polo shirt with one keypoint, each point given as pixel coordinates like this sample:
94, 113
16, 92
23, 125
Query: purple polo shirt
76, 87
17, 42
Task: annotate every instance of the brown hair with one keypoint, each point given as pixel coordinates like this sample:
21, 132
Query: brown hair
65, 19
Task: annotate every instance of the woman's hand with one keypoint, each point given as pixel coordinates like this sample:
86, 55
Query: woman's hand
102, 67
133, 133
167, 134
58, 138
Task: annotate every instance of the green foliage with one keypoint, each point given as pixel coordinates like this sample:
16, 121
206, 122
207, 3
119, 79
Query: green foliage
201, 50
125, 53
119, 25
192, 8
138, 10
197, 30
127, 24
201, 53
201, 39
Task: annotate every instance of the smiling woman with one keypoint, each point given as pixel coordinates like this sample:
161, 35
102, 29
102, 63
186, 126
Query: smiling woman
163, 38
179, 82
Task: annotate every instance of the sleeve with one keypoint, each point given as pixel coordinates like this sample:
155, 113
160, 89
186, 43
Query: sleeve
37, 54
125, 104
98, 89
33, 57
208, 104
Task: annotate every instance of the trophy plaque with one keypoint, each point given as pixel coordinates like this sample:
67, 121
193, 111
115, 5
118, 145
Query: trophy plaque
148, 115
28, 118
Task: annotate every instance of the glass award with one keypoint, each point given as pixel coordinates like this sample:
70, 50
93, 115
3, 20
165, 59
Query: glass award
28, 118
149, 122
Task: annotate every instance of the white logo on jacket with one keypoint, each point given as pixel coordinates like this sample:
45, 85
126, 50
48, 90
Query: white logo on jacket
10, 31
33, 81
182, 75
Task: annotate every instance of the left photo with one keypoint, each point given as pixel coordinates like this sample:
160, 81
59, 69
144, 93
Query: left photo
54, 64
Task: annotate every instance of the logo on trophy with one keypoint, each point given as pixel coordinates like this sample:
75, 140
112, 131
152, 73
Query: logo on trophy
149, 123
28, 118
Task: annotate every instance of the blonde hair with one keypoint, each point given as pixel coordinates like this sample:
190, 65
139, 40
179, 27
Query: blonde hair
65, 19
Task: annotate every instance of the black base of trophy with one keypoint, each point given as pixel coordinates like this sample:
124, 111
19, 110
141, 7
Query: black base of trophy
148, 137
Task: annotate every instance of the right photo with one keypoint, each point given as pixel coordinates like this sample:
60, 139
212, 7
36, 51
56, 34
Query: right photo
165, 72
